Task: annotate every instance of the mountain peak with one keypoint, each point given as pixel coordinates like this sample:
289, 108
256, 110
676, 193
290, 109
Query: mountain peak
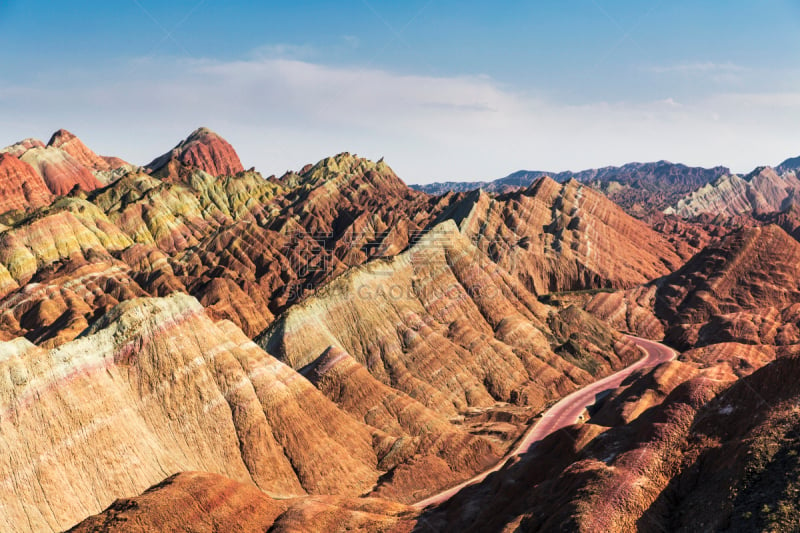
61, 137
74, 147
201, 134
202, 149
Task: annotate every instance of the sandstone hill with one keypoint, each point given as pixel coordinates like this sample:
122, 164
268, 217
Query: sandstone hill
128, 310
64, 164
23, 187
203, 502
561, 237
744, 287
445, 296
202, 149
249, 247
155, 387
762, 191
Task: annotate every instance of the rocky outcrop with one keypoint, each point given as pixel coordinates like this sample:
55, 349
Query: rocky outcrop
22, 187
564, 237
203, 150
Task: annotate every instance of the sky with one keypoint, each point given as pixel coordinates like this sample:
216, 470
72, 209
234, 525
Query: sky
442, 89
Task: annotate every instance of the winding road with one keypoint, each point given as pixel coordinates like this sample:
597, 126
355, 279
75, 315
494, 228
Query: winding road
565, 412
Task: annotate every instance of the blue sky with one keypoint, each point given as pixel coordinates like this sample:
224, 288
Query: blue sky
442, 89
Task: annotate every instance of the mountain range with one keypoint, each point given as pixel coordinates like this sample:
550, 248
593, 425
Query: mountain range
188, 345
636, 187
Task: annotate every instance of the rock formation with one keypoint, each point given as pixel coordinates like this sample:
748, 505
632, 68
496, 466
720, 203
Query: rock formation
59, 170
743, 288
764, 190
23, 188
191, 346
703, 443
562, 237
105, 169
65, 163
204, 150
396, 317
154, 387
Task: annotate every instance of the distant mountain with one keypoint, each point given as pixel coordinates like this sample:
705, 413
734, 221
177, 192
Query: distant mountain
636, 187
793, 163
762, 191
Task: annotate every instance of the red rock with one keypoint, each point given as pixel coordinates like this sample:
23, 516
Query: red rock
203, 149
203, 502
740, 288
72, 145
563, 237
22, 187
60, 171
192, 502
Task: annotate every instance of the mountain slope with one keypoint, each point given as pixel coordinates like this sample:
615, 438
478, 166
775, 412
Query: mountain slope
202, 149
764, 190
64, 164
744, 287
155, 388
23, 187
705, 443
157, 385
397, 316
560, 237
199, 501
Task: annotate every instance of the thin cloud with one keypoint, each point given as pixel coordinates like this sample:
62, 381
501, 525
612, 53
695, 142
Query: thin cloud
283, 51
351, 41
281, 113
707, 67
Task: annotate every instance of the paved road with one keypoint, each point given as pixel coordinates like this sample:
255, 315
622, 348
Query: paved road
565, 412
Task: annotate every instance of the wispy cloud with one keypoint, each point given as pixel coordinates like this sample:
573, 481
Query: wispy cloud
283, 51
697, 68
351, 41
282, 112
